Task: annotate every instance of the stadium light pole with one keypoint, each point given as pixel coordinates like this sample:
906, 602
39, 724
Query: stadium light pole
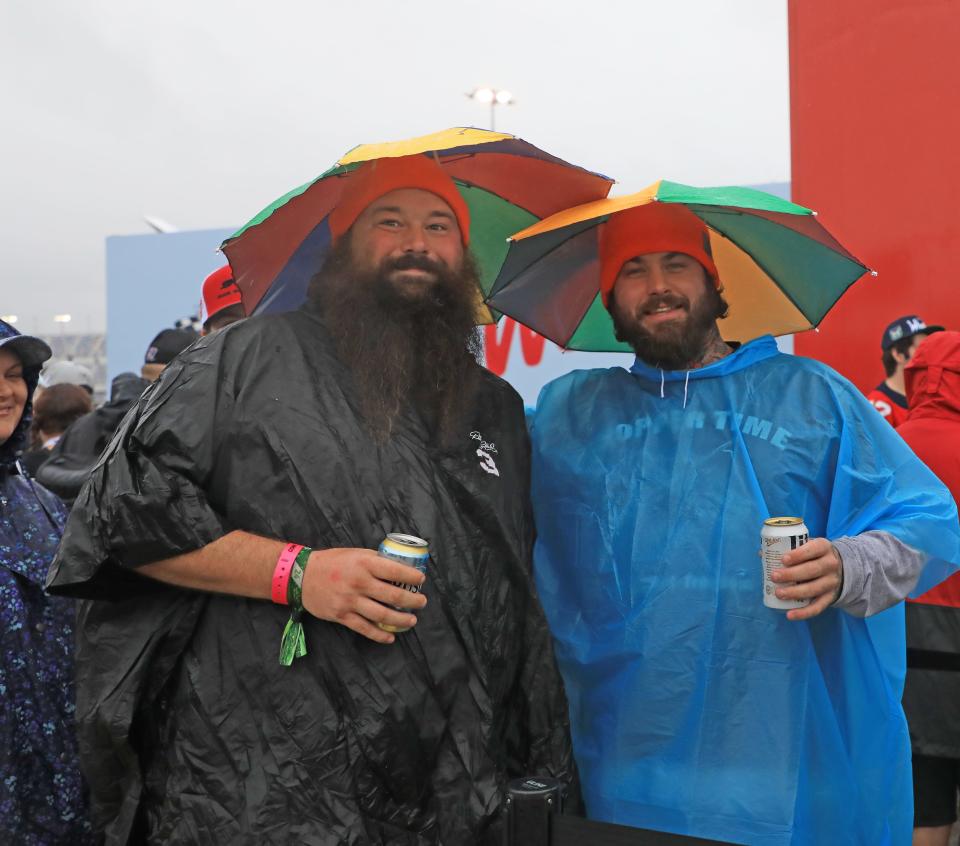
492, 97
63, 320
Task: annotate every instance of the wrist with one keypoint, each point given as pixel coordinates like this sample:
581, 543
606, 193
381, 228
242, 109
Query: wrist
839, 591
297, 573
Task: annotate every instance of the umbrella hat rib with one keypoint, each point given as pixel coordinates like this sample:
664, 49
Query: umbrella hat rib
784, 255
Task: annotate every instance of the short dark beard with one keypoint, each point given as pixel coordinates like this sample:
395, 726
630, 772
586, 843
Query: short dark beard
683, 346
403, 352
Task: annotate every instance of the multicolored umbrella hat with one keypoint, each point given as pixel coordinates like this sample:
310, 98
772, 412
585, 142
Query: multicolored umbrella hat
507, 184
781, 270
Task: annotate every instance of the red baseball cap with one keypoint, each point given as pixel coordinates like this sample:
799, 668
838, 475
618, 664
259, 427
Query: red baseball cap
219, 291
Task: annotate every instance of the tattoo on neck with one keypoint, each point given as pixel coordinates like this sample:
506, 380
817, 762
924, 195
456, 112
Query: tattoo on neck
715, 349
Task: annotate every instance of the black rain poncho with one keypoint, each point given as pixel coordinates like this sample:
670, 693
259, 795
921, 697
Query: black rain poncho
190, 729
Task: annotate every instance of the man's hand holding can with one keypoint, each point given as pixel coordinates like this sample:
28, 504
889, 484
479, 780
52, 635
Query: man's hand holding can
357, 587
815, 571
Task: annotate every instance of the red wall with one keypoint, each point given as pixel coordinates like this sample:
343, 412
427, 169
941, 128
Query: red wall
875, 134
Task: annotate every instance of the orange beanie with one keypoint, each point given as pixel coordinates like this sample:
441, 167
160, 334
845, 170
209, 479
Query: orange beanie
653, 228
373, 179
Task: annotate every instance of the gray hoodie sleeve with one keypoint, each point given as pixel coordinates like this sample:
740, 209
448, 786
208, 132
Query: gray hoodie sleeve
878, 571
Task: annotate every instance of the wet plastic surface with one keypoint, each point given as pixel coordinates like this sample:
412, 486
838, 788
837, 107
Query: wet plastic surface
186, 718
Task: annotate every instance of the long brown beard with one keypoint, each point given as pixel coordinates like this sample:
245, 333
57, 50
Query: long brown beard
403, 353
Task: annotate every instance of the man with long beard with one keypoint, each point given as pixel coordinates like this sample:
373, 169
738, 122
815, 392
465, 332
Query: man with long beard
361, 414
695, 708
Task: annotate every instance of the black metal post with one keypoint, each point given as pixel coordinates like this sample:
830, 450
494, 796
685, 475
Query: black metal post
530, 806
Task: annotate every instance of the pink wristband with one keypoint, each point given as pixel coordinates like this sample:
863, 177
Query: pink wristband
281, 575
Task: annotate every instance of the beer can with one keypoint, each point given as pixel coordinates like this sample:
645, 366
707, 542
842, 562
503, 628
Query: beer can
409, 550
778, 536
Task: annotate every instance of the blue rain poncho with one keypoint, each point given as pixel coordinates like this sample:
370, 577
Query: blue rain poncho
695, 709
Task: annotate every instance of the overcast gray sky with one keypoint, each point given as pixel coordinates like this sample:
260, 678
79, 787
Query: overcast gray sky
200, 112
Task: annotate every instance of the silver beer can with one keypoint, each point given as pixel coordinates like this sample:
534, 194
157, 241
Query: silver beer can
409, 550
778, 536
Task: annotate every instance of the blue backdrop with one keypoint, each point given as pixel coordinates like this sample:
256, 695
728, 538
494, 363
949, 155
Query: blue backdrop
153, 281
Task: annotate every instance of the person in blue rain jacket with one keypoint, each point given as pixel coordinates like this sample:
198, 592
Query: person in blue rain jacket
42, 801
695, 709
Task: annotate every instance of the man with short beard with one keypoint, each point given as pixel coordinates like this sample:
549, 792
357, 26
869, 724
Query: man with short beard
695, 708
207, 714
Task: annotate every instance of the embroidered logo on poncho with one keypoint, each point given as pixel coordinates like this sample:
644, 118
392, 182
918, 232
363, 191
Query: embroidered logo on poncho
484, 451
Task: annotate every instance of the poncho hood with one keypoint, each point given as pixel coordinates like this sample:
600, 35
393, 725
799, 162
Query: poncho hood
656, 378
740, 359
933, 377
13, 447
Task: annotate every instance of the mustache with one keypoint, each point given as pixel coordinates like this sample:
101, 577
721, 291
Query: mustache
412, 261
671, 300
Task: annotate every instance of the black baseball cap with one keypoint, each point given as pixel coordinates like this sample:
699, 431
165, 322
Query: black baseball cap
168, 345
906, 327
31, 351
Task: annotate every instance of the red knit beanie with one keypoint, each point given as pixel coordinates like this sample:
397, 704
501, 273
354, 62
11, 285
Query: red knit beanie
373, 179
653, 228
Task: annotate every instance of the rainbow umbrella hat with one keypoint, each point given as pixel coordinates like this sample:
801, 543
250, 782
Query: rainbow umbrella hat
507, 184
781, 270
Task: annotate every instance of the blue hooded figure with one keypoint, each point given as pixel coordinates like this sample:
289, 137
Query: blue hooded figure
696, 709
42, 800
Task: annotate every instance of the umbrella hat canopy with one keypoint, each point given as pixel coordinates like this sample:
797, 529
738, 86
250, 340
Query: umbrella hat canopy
781, 271
506, 183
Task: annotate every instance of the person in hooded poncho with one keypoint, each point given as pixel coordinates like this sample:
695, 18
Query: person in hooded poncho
931, 696
42, 796
361, 414
695, 709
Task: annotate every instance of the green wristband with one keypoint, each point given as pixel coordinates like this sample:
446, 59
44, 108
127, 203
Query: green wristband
295, 585
293, 644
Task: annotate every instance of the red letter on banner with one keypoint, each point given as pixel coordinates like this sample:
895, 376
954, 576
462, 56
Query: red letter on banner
497, 346
532, 345
497, 350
